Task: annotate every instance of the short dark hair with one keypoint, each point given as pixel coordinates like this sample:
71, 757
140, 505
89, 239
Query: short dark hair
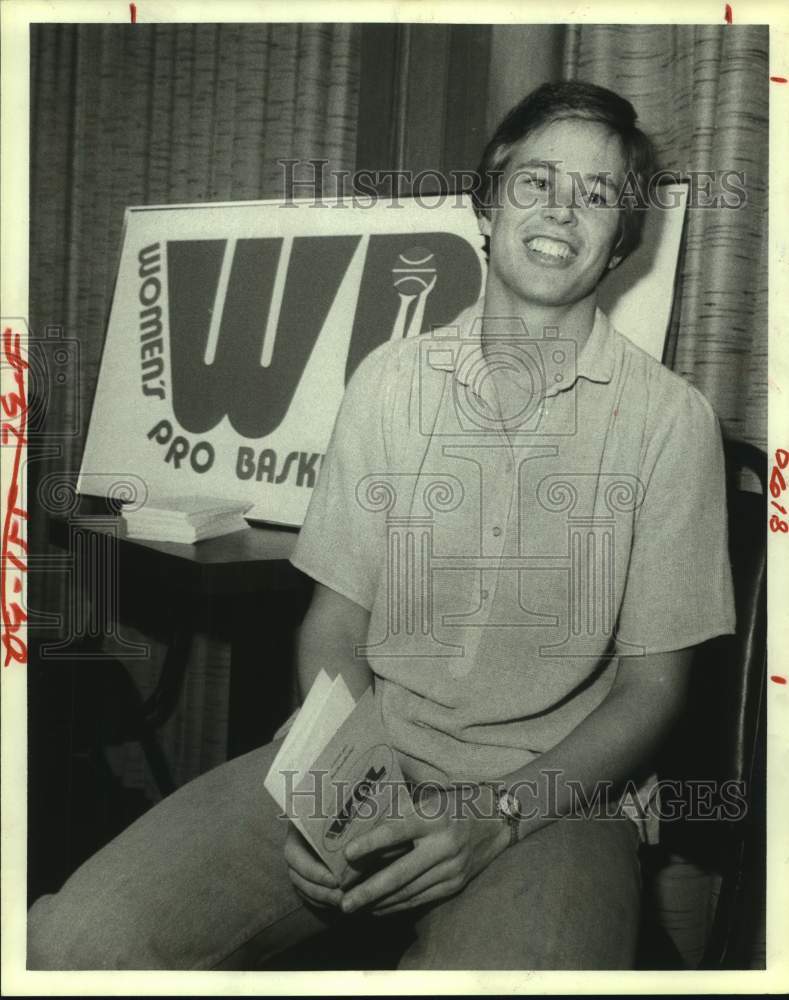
574, 99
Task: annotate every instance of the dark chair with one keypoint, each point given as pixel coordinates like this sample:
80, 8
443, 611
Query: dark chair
705, 883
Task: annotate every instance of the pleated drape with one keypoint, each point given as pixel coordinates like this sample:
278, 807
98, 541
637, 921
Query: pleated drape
702, 94
154, 114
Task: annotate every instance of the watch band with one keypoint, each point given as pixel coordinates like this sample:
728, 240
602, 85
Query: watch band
508, 807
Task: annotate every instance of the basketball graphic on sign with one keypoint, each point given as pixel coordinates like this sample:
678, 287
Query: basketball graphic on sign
416, 272
414, 277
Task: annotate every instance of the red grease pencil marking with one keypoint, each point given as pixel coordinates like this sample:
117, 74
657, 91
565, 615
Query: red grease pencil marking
13, 551
777, 679
777, 487
727, 14
133, 12
779, 79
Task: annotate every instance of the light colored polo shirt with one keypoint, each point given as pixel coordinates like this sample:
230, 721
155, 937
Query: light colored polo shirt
511, 545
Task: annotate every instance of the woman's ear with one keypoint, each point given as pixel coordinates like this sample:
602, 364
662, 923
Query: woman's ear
616, 258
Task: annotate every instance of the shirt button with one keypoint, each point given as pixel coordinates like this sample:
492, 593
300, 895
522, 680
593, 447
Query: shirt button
496, 531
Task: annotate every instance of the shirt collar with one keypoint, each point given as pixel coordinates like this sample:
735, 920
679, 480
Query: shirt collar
595, 362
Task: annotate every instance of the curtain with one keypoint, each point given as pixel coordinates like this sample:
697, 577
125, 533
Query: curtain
151, 114
701, 92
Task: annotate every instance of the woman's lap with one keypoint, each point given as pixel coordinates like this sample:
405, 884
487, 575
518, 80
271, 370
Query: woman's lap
200, 882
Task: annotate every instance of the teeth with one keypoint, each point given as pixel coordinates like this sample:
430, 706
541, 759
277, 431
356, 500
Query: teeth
551, 247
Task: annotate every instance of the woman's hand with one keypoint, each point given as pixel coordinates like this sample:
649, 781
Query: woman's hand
310, 877
455, 832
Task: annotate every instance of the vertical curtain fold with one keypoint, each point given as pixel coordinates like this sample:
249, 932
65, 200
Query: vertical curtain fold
158, 114
701, 92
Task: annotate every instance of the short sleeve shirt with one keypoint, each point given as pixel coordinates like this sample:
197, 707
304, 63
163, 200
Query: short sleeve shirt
512, 548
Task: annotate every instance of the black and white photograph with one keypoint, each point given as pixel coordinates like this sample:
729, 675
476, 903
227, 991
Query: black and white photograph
391, 451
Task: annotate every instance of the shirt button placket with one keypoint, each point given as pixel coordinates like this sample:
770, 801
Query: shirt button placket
497, 523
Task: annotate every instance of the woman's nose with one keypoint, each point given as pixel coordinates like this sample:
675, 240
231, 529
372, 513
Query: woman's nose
561, 208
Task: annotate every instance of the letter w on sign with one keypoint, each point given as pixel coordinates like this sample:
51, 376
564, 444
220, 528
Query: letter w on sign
245, 314
242, 327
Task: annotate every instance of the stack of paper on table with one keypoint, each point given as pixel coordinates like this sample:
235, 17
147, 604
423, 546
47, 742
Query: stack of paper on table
185, 519
336, 774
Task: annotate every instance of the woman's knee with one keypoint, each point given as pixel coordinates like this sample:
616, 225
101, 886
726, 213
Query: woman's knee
187, 878
70, 930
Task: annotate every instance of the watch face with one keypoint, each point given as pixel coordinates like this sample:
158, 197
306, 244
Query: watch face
508, 806
505, 805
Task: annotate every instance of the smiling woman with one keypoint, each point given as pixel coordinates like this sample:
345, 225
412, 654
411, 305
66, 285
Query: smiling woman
548, 247
573, 101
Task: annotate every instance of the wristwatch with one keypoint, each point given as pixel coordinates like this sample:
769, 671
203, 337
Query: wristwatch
508, 808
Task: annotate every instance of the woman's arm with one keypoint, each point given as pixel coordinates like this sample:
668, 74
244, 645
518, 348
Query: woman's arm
332, 628
613, 743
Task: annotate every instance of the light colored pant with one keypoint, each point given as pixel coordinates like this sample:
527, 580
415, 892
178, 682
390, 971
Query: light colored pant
200, 882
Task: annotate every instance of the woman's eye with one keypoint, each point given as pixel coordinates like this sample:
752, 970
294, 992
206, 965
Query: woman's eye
595, 198
533, 181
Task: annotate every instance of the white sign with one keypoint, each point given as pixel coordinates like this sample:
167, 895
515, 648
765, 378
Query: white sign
639, 294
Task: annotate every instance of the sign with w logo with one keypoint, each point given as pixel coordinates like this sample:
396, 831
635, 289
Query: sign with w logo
234, 329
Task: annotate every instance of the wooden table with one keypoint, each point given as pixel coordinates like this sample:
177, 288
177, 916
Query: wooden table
245, 578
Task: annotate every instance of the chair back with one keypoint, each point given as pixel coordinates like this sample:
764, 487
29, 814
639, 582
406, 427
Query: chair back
718, 750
